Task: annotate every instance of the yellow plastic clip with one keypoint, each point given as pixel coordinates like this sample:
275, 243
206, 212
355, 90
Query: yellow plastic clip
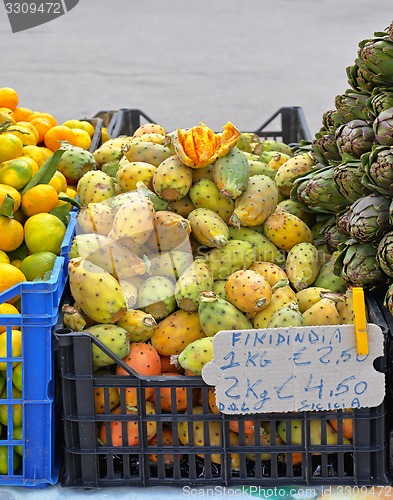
360, 320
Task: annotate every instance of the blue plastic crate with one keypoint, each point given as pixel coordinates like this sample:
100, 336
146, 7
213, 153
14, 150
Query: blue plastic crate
39, 306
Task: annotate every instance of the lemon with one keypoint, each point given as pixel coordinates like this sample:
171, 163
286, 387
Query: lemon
44, 233
37, 265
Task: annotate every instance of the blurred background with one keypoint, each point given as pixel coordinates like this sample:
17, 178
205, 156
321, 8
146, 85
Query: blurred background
184, 62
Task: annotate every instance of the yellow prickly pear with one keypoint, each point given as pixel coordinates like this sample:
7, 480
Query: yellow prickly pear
282, 295
149, 128
172, 179
285, 230
265, 250
208, 227
277, 160
130, 173
345, 309
324, 312
248, 290
139, 325
97, 292
296, 165
134, 220
309, 296
302, 265
270, 271
196, 355
258, 200
148, 152
195, 279
95, 218
170, 231
183, 207
205, 194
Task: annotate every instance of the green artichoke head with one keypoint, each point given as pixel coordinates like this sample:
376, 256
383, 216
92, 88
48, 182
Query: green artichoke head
355, 138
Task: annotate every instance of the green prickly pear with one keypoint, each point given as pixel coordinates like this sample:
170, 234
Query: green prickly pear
265, 250
219, 288
75, 162
286, 316
324, 312
296, 165
114, 338
94, 187
257, 202
235, 255
148, 152
143, 190
208, 227
248, 291
195, 279
276, 146
302, 265
205, 194
245, 141
202, 173
327, 279
130, 173
134, 220
260, 168
196, 355
156, 296
285, 230
231, 173
172, 179
217, 314
139, 325
97, 292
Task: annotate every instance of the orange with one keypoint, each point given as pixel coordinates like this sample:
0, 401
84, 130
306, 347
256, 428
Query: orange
34, 152
15, 173
10, 147
31, 162
82, 138
11, 234
59, 182
47, 116
44, 233
10, 276
71, 192
21, 114
46, 153
29, 126
39, 199
42, 125
56, 134
6, 115
27, 136
6, 308
5, 190
8, 98
4, 258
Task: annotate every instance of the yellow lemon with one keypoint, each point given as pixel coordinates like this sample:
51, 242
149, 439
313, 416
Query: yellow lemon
82, 138
4, 259
35, 153
59, 182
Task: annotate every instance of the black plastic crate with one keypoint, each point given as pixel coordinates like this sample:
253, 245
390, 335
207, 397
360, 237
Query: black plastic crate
288, 124
227, 459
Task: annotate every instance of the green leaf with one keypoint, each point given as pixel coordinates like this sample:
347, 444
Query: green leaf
68, 199
7, 207
46, 172
62, 212
4, 126
20, 253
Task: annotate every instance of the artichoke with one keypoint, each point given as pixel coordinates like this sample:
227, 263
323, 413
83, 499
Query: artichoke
385, 254
342, 221
355, 138
356, 264
388, 300
368, 218
351, 105
324, 148
380, 100
333, 237
383, 127
378, 170
360, 80
318, 191
348, 178
375, 57
331, 121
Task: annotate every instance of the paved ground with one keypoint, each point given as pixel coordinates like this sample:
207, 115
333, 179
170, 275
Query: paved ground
183, 62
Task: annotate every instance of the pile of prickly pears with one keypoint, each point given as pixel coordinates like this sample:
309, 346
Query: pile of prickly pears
187, 233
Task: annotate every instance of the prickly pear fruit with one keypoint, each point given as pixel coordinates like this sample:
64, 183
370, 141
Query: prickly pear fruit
345, 308
139, 325
94, 218
217, 314
75, 162
282, 295
72, 318
114, 338
286, 316
245, 141
130, 173
309, 296
277, 160
219, 288
202, 173
296, 208
183, 207
172, 179
296, 165
248, 291
235, 255
134, 220
272, 145
152, 137
112, 398
111, 167
97, 292
111, 150
285, 230
122, 198
205, 194
265, 250
195, 279
231, 173
170, 231
327, 279
324, 312
148, 152
149, 128
271, 272
302, 265
95, 186
215, 438
176, 331
144, 360
195, 356
169, 264
208, 227
297, 436
156, 296
260, 168
258, 200
130, 292
170, 404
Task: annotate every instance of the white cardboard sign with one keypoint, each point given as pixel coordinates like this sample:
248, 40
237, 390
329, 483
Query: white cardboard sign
295, 369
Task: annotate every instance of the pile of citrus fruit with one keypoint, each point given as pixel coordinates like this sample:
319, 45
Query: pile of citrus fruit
30, 232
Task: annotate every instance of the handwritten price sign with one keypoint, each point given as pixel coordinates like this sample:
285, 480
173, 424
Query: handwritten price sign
295, 369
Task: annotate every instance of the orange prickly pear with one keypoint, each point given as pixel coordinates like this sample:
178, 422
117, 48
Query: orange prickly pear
270, 271
248, 290
282, 295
